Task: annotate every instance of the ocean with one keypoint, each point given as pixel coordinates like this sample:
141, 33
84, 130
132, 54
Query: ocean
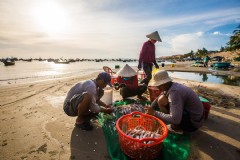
23, 71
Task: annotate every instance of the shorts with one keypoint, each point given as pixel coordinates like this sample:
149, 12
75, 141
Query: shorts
70, 106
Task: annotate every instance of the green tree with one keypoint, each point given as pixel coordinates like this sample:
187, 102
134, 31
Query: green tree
234, 42
222, 49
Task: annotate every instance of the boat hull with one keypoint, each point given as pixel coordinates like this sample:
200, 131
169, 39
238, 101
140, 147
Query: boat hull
221, 65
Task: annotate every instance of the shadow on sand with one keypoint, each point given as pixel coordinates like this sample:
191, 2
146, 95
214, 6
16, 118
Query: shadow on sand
88, 145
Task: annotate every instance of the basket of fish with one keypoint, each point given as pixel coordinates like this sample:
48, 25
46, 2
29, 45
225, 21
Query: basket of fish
141, 135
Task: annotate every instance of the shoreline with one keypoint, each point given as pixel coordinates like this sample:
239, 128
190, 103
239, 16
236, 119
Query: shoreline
34, 126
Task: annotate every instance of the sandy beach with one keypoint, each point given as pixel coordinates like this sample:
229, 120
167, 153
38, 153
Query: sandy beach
34, 126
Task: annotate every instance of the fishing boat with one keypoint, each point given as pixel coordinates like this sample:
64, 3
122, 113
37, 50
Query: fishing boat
9, 62
61, 61
221, 65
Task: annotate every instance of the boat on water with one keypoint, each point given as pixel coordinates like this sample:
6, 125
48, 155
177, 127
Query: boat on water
221, 65
61, 61
9, 62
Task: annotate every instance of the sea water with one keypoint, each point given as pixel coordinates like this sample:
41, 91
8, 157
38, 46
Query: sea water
24, 71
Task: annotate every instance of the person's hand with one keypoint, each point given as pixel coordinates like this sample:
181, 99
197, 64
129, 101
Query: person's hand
108, 110
108, 106
149, 110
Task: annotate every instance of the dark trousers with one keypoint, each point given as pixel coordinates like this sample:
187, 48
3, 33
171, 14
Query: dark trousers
126, 92
147, 68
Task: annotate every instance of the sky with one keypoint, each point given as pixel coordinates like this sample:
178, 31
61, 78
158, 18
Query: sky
113, 28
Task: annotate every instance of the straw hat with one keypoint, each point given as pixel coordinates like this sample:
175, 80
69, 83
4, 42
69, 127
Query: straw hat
126, 71
159, 78
154, 36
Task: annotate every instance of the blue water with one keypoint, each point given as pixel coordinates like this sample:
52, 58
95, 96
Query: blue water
206, 77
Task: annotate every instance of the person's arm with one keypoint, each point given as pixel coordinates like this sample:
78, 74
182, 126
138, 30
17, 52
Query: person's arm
101, 103
106, 110
175, 109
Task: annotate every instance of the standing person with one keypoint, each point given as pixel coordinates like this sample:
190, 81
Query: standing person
147, 56
206, 60
127, 81
179, 105
83, 100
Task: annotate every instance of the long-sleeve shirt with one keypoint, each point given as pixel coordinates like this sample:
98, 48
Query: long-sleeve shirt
147, 54
181, 98
88, 86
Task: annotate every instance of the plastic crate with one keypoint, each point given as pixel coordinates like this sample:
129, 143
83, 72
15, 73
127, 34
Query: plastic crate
138, 149
153, 93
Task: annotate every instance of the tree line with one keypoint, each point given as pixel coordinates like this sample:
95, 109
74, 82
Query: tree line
232, 45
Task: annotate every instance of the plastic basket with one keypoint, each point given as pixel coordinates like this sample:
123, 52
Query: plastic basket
153, 92
138, 148
207, 108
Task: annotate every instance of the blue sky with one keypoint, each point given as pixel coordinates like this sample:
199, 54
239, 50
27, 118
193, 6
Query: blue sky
113, 28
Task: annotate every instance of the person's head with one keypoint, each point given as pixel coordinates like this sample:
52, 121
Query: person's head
161, 80
103, 79
154, 37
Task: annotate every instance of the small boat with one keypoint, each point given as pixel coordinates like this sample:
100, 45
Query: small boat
9, 62
221, 65
198, 64
61, 61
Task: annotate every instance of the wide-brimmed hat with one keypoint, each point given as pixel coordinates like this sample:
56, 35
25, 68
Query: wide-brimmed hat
155, 36
159, 78
105, 77
126, 71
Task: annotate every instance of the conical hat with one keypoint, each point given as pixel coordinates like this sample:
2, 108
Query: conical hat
126, 71
154, 36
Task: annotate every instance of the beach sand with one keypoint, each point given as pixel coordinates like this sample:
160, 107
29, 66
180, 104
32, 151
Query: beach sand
34, 126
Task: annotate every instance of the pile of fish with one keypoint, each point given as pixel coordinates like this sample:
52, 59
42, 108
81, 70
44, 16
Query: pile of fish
140, 133
126, 109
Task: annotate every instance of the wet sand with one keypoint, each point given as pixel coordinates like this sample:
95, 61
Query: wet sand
34, 126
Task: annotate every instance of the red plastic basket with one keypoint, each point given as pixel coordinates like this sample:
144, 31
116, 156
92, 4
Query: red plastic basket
153, 92
207, 108
136, 148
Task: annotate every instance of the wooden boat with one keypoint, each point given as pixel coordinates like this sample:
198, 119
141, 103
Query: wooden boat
221, 64
9, 62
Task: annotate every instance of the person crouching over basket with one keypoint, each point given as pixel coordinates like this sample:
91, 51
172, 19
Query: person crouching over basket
179, 106
127, 82
83, 100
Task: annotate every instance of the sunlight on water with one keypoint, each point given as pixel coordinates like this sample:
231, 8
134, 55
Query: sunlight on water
35, 70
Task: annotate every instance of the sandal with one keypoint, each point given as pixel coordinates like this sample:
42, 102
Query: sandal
84, 126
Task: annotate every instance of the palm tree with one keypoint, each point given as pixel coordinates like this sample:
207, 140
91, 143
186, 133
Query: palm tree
234, 42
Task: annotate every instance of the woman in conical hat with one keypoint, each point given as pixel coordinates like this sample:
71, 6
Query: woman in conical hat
127, 82
147, 56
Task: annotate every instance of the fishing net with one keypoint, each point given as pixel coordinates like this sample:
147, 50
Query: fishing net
175, 147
